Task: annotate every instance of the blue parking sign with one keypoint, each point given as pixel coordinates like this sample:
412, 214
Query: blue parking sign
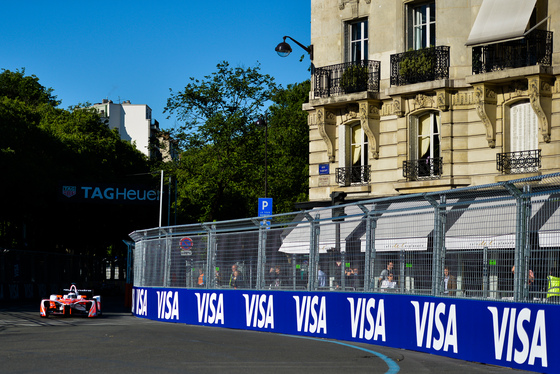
265, 206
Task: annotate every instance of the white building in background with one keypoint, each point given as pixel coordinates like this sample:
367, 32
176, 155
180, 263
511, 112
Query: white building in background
134, 123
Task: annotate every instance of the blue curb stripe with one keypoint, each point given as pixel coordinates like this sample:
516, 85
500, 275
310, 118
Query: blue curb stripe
394, 368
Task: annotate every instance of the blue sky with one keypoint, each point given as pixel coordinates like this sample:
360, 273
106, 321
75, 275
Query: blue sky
138, 50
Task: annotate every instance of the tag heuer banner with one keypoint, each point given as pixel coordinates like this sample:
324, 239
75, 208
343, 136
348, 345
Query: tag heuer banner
107, 193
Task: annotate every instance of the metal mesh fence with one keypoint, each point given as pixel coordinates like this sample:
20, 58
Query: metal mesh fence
499, 241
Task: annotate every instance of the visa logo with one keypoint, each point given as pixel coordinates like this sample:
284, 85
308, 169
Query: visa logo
259, 311
141, 302
210, 308
362, 312
431, 315
513, 330
168, 305
311, 314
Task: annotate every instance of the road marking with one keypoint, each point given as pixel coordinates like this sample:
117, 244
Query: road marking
393, 366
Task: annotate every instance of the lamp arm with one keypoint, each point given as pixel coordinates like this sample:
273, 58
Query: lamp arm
307, 49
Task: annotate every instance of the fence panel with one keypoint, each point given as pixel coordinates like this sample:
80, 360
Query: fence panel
499, 241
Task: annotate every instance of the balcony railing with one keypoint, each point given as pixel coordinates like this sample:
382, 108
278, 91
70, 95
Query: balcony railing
353, 175
422, 65
534, 49
519, 162
346, 78
428, 168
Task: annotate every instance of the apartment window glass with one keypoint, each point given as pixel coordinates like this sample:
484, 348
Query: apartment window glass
422, 26
358, 147
524, 128
358, 40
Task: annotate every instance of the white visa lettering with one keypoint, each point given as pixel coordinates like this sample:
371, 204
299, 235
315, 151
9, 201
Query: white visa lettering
167, 310
514, 325
255, 313
306, 314
210, 308
444, 337
142, 302
362, 319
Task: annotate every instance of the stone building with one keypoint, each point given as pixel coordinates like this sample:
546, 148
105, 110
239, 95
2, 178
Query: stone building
414, 96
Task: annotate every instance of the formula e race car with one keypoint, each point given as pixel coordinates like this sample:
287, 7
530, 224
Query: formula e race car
75, 302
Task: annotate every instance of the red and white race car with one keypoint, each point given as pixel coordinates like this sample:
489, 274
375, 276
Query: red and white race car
72, 303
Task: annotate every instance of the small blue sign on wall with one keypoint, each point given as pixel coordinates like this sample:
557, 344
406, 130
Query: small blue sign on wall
265, 206
324, 169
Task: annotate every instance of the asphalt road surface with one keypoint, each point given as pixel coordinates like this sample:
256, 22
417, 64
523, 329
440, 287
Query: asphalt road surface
121, 343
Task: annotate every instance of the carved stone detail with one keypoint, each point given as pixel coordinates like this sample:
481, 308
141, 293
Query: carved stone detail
322, 118
443, 98
485, 102
398, 109
369, 119
537, 90
423, 101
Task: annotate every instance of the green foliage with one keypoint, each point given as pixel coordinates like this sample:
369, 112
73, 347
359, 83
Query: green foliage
354, 78
289, 148
17, 86
416, 64
41, 146
221, 170
221, 160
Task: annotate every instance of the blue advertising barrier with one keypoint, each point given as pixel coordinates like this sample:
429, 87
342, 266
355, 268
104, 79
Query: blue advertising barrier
522, 336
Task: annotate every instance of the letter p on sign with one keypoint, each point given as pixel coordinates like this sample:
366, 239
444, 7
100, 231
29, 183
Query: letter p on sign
265, 206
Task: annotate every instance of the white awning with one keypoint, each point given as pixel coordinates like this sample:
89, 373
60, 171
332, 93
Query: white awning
500, 20
485, 224
399, 230
549, 234
298, 239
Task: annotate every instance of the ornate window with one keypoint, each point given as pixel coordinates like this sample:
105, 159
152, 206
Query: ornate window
357, 41
425, 147
353, 147
521, 141
421, 29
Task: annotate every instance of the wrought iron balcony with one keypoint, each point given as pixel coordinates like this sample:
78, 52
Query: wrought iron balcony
534, 49
353, 175
427, 168
422, 65
519, 162
346, 78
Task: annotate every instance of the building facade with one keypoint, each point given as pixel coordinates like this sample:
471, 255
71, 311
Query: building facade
134, 123
413, 96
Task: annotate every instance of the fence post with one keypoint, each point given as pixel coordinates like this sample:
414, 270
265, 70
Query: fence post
263, 226
313, 252
438, 246
210, 267
523, 214
371, 225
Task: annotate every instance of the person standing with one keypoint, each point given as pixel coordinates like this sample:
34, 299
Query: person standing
322, 278
450, 283
385, 273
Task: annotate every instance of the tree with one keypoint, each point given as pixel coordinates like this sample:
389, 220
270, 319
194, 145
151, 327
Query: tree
289, 147
17, 86
42, 145
221, 163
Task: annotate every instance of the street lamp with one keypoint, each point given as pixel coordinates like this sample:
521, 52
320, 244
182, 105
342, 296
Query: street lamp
284, 49
261, 122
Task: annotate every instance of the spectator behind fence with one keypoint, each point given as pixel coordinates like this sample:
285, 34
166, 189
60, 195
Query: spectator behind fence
322, 278
236, 277
356, 279
553, 286
385, 273
201, 278
530, 279
450, 283
388, 284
